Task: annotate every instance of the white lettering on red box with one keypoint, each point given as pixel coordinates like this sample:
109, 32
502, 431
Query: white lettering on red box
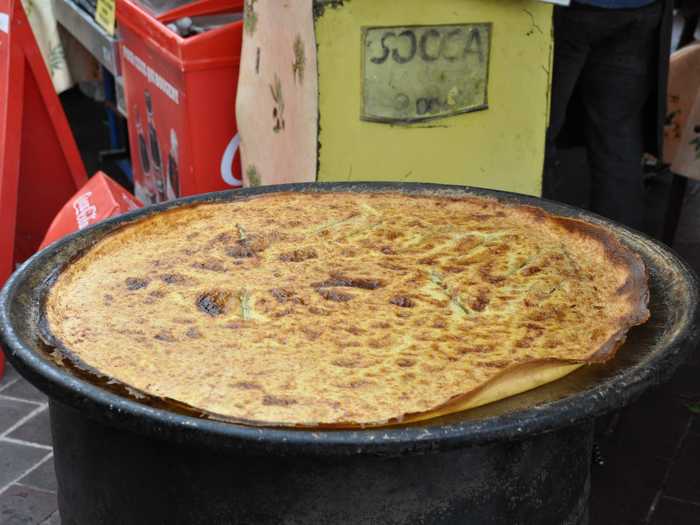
85, 211
153, 77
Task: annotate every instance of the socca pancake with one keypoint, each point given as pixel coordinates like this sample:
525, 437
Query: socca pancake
346, 309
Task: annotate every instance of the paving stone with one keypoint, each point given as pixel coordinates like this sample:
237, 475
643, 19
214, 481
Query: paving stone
12, 411
15, 459
654, 425
8, 376
686, 382
43, 477
35, 430
674, 512
26, 506
54, 519
23, 389
684, 479
623, 490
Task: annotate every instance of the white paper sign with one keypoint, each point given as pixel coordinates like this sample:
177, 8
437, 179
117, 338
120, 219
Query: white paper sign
4, 22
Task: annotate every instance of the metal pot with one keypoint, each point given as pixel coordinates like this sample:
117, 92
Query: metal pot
522, 460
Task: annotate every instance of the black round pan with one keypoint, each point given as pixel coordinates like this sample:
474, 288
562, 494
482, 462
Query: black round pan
650, 355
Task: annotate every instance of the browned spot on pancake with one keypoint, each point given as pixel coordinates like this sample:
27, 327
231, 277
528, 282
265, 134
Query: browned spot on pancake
534, 328
403, 301
359, 383
387, 250
283, 296
173, 278
283, 313
473, 350
166, 337
531, 270
108, 298
193, 333
246, 385
304, 254
333, 295
480, 302
224, 237
310, 333
497, 363
405, 363
278, 401
235, 325
319, 311
240, 251
341, 281
378, 343
210, 265
347, 363
354, 330
525, 342
136, 283
214, 302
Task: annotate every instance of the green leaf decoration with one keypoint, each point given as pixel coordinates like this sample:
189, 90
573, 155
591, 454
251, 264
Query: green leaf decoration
299, 59
250, 17
253, 176
56, 58
28, 7
278, 111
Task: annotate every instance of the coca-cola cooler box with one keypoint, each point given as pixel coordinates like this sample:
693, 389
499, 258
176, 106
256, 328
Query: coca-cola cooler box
180, 73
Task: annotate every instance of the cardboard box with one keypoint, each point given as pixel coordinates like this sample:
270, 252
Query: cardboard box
99, 199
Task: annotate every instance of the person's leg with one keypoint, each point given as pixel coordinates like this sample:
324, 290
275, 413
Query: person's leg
571, 48
616, 84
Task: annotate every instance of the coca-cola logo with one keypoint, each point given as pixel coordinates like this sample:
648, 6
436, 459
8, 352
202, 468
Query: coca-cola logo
227, 162
85, 211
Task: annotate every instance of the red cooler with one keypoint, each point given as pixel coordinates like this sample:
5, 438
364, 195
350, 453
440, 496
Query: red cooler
181, 97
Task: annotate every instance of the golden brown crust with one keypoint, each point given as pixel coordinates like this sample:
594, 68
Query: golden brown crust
635, 290
343, 309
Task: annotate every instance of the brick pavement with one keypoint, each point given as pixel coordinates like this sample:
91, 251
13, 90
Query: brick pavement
27, 480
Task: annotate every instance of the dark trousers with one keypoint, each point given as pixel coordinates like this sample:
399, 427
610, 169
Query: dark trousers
610, 56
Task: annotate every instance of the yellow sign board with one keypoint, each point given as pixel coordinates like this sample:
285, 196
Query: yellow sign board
501, 147
418, 73
105, 15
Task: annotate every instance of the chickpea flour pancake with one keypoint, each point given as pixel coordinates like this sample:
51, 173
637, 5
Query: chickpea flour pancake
346, 310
